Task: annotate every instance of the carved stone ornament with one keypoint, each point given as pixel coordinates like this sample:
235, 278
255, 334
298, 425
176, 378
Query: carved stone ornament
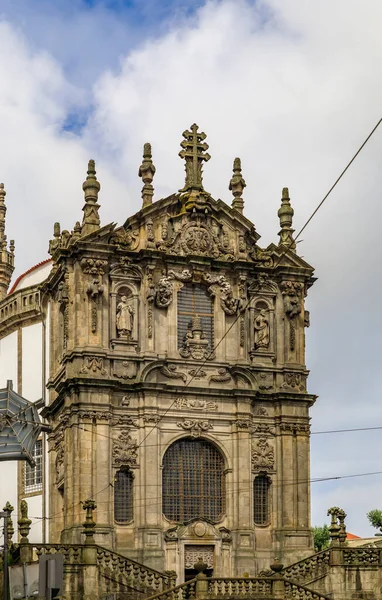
243, 424
263, 429
229, 304
294, 381
164, 291
59, 462
125, 238
94, 291
93, 364
197, 373
93, 266
63, 300
171, 535
263, 456
222, 376
261, 411
125, 450
194, 554
226, 534
195, 345
195, 404
170, 372
124, 369
150, 234
194, 427
295, 428
196, 238
265, 380
291, 291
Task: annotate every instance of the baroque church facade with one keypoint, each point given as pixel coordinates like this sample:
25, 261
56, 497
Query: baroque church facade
176, 377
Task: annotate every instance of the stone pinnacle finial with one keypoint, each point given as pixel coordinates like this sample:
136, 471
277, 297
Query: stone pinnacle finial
7, 257
285, 214
237, 185
91, 187
3, 210
194, 153
147, 172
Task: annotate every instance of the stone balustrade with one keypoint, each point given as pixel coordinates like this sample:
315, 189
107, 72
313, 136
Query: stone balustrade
20, 306
309, 569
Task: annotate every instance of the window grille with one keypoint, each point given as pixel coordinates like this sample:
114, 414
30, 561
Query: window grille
194, 300
33, 475
123, 496
193, 481
261, 499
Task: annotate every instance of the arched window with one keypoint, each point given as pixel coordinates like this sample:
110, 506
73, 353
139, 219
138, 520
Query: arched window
123, 496
193, 481
261, 485
194, 300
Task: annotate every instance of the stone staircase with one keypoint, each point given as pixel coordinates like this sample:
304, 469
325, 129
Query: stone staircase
105, 572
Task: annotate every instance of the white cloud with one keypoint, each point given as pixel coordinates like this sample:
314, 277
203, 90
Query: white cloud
291, 87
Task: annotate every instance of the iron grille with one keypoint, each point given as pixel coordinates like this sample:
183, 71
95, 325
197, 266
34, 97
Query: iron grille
123, 496
193, 481
194, 300
33, 475
261, 499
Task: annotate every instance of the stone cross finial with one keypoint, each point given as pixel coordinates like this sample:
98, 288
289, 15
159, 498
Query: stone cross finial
24, 523
91, 221
147, 172
237, 185
89, 523
194, 153
285, 214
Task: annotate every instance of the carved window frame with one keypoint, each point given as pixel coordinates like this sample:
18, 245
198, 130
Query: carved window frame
206, 317
125, 503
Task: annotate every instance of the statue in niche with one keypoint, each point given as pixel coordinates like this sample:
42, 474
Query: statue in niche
261, 326
124, 319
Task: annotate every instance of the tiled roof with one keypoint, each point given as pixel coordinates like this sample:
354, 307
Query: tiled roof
20, 277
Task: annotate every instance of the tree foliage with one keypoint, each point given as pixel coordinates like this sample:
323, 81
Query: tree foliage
375, 518
321, 537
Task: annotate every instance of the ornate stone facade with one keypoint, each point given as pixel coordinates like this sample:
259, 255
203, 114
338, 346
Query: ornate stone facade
178, 327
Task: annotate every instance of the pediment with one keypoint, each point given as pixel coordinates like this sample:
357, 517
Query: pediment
210, 228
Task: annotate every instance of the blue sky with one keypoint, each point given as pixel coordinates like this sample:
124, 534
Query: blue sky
289, 86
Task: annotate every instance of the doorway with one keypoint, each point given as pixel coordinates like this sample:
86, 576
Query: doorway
193, 554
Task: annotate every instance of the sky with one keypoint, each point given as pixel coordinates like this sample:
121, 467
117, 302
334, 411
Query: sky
293, 88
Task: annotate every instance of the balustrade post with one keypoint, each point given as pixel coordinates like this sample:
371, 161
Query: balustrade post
171, 577
336, 554
90, 572
201, 585
278, 582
